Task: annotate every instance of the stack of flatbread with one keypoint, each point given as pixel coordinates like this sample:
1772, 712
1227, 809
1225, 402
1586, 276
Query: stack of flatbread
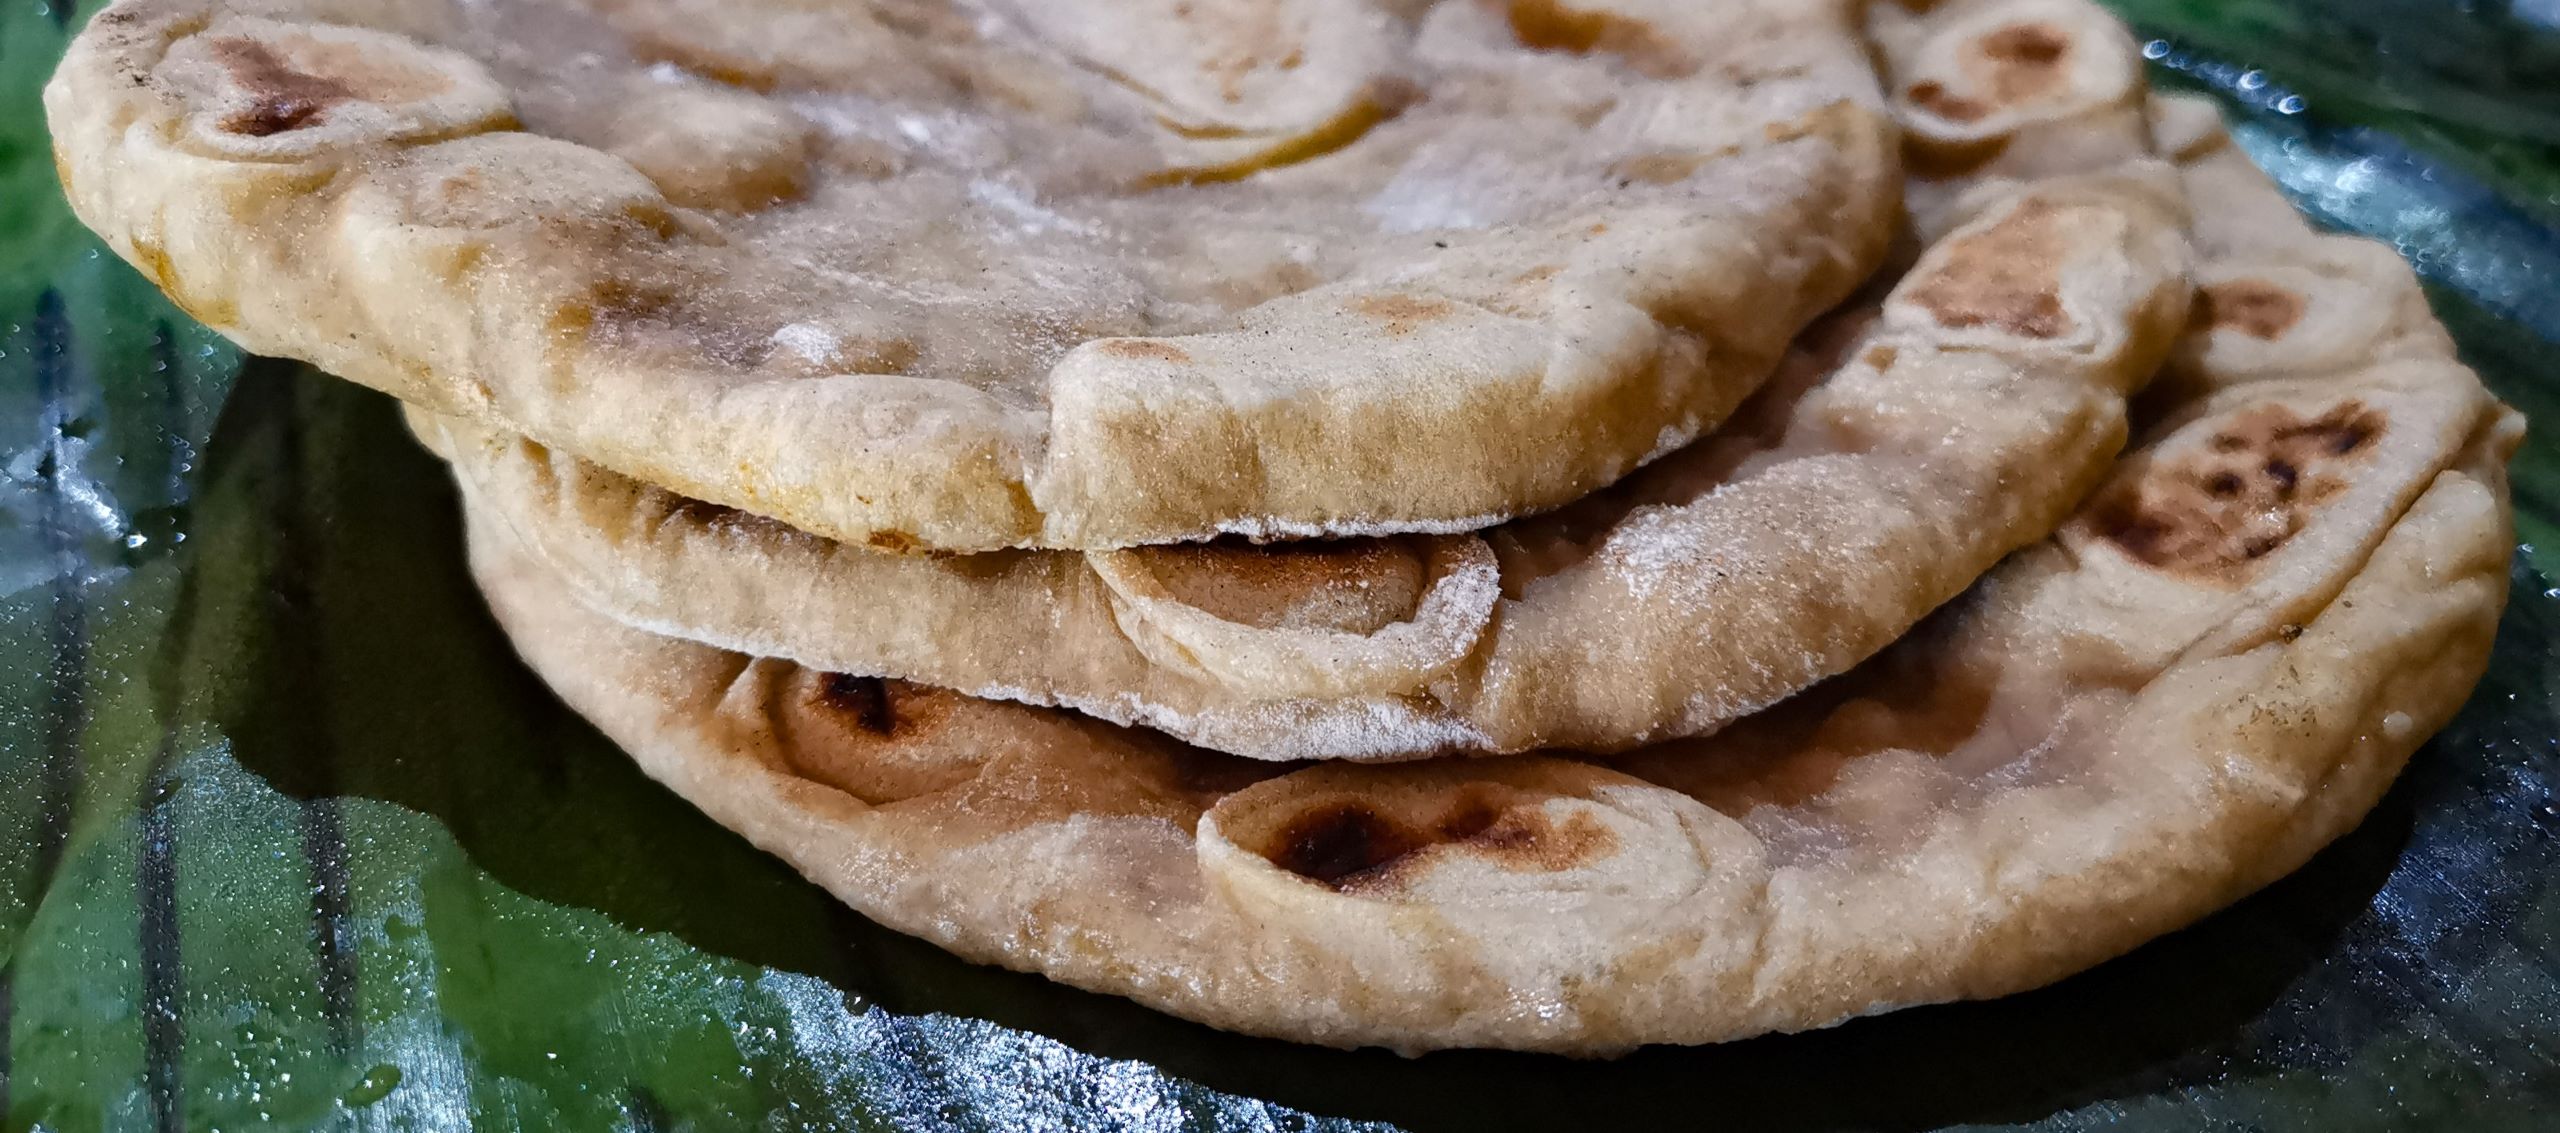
1558, 524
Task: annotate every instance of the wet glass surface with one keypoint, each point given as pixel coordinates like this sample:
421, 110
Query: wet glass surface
290, 840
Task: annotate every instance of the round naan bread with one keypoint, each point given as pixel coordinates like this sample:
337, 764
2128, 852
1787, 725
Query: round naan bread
1902, 451
963, 276
2213, 669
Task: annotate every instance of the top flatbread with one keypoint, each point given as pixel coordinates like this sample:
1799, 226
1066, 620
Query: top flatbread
914, 274
2216, 667
1903, 450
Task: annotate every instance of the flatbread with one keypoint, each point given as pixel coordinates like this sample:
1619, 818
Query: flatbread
1902, 451
923, 275
2215, 668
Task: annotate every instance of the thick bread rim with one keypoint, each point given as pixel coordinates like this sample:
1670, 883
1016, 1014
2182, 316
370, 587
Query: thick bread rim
1464, 582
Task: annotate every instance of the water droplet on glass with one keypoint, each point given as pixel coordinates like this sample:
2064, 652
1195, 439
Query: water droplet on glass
2156, 50
136, 539
376, 1085
2291, 104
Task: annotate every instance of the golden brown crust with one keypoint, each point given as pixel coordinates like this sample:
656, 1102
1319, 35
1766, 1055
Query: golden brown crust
2244, 494
2004, 276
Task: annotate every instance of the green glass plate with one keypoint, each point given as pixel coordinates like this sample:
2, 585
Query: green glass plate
289, 840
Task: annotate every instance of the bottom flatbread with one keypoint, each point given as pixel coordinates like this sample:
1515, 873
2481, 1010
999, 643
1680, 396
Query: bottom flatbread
2212, 671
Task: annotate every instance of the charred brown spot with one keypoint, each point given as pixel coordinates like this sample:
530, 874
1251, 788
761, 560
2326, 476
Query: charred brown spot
1333, 843
1144, 349
297, 86
1402, 313
2026, 60
876, 740
1349, 845
2014, 64
2028, 45
2003, 276
1881, 358
2350, 436
271, 116
2252, 486
2337, 432
2254, 307
896, 542
865, 700
1473, 815
1524, 839
281, 97
1934, 97
1550, 26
